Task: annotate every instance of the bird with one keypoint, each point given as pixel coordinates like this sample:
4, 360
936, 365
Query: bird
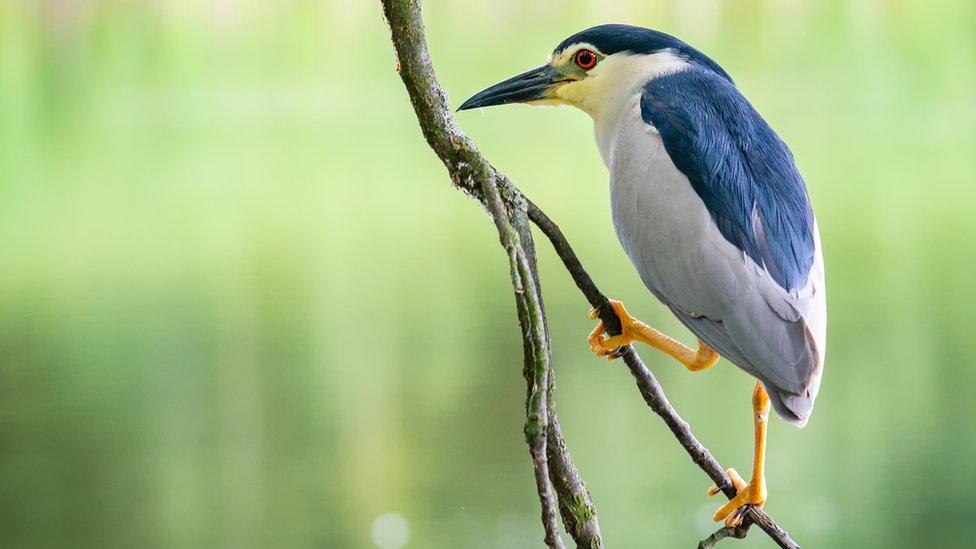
709, 205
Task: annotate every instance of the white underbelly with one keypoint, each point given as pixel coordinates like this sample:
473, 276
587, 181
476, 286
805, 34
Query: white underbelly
661, 222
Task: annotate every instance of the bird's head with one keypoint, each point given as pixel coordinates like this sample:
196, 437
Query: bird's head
596, 68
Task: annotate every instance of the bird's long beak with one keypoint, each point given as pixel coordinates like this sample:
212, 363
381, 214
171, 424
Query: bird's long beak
528, 86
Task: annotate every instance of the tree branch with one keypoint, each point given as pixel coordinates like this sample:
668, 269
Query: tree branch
537, 356
557, 480
722, 533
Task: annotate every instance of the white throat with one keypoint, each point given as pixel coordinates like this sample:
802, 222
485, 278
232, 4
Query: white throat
611, 90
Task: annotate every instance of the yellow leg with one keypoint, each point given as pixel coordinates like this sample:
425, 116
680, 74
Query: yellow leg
753, 493
635, 330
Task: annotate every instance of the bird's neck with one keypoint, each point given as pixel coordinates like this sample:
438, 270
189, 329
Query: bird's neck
609, 123
612, 97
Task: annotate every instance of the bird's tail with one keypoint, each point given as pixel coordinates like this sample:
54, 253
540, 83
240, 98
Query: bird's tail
794, 408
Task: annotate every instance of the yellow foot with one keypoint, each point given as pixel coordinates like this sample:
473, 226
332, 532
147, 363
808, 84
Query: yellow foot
606, 346
746, 495
633, 330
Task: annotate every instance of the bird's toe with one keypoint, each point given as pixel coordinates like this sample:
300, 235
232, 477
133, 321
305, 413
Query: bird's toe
734, 511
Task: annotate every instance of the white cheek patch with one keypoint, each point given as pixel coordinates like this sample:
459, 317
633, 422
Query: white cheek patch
635, 68
619, 76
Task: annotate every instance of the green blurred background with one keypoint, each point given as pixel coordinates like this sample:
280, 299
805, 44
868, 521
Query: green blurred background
241, 306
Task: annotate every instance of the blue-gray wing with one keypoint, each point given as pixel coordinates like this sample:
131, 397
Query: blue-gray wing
740, 168
752, 284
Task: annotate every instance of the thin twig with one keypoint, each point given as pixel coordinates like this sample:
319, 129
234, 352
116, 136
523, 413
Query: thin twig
720, 534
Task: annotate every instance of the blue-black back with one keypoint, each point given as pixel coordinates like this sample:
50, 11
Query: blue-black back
741, 169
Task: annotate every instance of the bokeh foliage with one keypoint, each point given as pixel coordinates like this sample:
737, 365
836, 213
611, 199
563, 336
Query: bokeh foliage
240, 305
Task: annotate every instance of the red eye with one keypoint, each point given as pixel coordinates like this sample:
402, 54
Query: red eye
585, 59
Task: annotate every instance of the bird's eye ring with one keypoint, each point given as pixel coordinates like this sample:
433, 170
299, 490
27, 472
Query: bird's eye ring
585, 59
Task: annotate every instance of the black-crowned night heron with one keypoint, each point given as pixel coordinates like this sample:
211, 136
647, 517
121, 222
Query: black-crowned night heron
708, 203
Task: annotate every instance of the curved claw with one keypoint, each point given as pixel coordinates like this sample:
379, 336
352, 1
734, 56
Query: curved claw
610, 347
737, 481
735, 509
735, 519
